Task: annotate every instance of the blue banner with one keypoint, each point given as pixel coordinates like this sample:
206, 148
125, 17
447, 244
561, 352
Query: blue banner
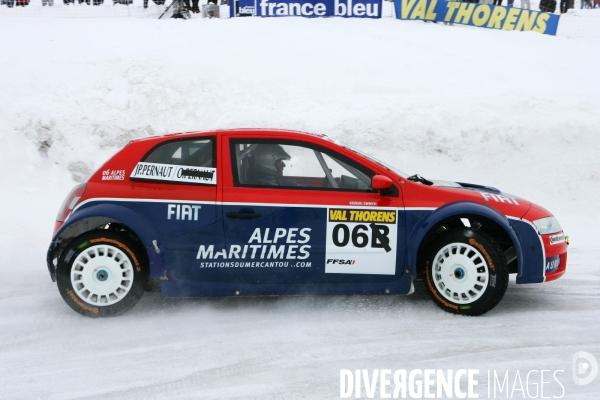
243, 8
319, 8
480, 15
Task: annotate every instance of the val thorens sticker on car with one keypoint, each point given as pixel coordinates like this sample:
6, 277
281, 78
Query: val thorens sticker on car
175, 173
361, 241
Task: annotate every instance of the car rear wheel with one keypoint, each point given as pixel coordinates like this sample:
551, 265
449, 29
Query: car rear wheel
465, 272
102, 273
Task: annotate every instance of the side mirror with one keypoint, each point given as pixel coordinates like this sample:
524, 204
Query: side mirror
381, 182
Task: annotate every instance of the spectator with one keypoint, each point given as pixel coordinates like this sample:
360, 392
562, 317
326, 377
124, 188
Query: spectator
157, 2
526, 4
564, 6
548, 6
497, 2
94, 2
510, 3
48, 3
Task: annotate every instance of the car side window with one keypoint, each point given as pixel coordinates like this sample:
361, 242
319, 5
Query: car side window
193, 153
183, 161
297, 165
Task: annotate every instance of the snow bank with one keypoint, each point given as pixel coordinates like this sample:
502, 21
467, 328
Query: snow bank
493, 107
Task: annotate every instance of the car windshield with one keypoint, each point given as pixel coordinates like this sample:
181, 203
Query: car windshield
384, 164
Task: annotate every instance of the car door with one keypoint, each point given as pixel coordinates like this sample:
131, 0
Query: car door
179, 180
314, 219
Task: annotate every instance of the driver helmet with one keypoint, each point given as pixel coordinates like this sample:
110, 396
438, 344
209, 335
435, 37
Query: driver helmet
265, 157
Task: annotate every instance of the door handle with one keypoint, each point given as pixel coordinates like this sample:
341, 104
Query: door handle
234, 214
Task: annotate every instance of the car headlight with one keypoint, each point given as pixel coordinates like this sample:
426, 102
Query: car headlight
547, 225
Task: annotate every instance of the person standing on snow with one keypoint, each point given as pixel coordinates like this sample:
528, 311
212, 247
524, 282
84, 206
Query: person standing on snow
526, 4
548, 6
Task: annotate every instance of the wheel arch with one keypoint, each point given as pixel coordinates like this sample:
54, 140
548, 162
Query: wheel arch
486, 218
95, 216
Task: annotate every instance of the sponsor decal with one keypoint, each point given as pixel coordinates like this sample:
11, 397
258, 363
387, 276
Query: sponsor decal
475, 243
552, 264
80, 304
367, 238
175, 173
185, 212
113, 175
555, 239
256, 264
70, 254
322, 8
480, 15
334, 261
498, 198
362, 203
387, 217
264, 244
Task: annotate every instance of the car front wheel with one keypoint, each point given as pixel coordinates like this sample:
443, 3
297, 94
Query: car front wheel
465, 272
102, 273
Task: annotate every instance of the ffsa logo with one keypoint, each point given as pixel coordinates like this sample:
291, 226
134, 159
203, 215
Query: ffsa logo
585, 368
340, 261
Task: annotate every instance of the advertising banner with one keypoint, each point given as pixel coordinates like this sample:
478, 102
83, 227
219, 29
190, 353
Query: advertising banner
319, 8
244, 8
480, 15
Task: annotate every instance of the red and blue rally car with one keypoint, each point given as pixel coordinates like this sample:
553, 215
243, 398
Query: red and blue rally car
253, 212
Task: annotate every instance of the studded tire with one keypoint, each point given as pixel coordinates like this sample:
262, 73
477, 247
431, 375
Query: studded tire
102, 273
465, 272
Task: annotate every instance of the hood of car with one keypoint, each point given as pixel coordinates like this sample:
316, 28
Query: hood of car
449, 191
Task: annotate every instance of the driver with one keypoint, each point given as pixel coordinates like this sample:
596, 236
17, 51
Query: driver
267, 164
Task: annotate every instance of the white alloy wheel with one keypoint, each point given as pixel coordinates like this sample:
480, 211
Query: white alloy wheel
460, 273
102, 275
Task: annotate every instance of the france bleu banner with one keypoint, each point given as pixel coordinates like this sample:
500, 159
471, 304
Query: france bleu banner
481, 15
319, 8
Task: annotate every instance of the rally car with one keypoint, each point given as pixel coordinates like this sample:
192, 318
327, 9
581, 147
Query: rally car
254, 212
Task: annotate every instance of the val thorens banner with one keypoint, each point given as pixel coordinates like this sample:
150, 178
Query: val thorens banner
480, 15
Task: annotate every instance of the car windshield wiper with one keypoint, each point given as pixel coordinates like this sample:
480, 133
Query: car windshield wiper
419, 178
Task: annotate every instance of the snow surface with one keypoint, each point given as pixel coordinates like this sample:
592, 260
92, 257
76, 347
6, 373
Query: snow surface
514, 110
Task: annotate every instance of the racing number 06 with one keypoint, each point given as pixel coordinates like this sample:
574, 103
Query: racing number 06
379, 236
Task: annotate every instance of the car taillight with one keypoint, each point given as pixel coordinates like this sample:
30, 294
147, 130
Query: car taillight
70, 202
